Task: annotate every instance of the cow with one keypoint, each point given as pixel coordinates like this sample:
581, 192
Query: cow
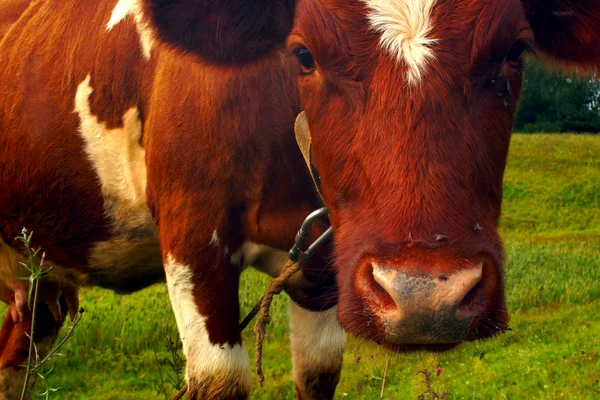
148, 139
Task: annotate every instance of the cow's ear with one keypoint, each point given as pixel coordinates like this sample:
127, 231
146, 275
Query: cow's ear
566, 30
225, 31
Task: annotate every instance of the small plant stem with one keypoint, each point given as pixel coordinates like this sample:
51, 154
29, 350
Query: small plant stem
64, 340
162, 381
31, 340
385, 370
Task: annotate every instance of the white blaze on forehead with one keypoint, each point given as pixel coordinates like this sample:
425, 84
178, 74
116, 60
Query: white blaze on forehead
405, 27
203, 358
133, 8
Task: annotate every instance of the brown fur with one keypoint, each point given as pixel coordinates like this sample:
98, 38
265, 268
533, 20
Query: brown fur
258, 189
318, 385
226, 31
399, 166
10, 11
220, 386
567, 30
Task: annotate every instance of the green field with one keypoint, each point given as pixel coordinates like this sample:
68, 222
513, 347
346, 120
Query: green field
551, 228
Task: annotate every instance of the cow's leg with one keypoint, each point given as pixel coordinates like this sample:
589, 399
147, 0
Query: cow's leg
317, 351
14, 345
317, 338
57, 296
203, 287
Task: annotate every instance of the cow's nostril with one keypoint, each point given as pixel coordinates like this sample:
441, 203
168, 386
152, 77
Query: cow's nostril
385, 299
472, 303
468, 306
375, 291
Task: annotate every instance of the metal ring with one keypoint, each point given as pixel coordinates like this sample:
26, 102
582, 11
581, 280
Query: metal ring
302, 235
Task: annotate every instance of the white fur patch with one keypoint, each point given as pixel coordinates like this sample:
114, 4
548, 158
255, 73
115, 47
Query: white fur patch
133, 8
203, 357
214, 240
318, 341
116, 154
405, 27
119, 161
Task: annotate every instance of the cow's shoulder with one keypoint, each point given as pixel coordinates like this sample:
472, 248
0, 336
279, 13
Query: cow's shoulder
76, 77
55, 44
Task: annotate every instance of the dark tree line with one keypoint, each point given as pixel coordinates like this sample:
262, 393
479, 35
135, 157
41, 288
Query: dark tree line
555, 101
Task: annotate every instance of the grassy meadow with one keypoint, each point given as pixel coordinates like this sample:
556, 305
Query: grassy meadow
551, 228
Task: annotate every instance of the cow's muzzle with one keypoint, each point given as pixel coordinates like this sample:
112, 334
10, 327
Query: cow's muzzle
417, 306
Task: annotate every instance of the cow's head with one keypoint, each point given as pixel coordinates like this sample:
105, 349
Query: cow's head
410, 105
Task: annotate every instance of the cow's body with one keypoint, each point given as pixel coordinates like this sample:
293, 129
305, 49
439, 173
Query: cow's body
91, 147
139, 138
90, 120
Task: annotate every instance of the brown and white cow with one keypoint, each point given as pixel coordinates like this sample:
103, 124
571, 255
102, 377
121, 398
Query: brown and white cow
137, 134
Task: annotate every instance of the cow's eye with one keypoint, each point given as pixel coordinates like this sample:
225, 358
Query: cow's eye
306, 60
516, 52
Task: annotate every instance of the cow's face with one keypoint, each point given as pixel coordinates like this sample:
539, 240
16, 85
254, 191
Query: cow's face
410, 105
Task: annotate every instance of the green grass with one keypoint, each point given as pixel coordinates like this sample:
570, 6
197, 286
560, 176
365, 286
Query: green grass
552, 188
551, 228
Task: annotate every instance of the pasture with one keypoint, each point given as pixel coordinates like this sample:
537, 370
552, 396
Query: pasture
551, 229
